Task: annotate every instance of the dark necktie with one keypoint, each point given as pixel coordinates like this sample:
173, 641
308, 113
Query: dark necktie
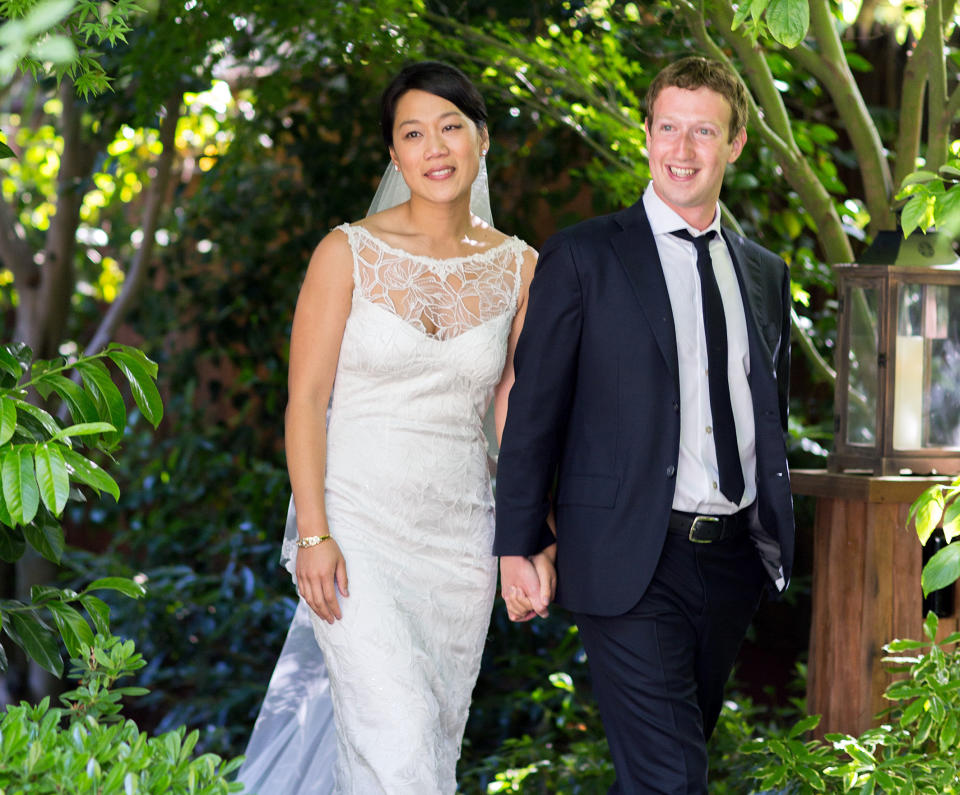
715, 326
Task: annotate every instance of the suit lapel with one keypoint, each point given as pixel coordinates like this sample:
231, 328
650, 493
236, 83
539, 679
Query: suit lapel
750, 275
636, 249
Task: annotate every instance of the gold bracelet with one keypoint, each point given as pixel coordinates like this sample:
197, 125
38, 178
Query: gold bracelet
311, 541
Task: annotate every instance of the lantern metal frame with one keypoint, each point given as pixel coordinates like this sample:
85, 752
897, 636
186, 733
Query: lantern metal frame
881, 457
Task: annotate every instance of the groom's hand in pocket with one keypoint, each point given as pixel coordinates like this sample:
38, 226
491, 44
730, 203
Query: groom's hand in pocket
321, 571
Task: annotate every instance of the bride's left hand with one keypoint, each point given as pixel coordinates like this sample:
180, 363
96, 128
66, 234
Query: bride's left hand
321, 571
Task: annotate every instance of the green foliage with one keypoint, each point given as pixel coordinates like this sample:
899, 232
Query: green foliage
64, 35
89, 747
41, 471
938, 506
27, 38
915, 750
932, 199
534, 725
785, 21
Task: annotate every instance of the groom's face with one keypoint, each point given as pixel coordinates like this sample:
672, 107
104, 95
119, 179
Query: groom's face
689, 147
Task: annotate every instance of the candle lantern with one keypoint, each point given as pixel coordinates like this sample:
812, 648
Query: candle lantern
897, 406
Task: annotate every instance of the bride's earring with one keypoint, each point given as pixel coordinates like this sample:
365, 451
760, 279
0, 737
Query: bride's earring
396, 168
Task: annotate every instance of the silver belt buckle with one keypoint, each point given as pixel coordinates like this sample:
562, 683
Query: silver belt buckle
693, 527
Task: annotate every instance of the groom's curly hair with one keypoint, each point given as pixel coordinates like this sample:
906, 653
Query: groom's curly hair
695, 72
434, 77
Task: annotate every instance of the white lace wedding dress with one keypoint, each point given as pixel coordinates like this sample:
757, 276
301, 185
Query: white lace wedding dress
409, 502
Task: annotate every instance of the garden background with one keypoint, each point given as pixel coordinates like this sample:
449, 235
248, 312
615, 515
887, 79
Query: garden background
171, 167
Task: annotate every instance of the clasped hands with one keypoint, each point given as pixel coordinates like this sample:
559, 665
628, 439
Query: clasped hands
527, 584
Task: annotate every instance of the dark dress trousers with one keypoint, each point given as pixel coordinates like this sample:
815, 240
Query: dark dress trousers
594, 419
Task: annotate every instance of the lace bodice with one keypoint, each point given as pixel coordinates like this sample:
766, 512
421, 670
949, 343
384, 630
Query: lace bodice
442, 298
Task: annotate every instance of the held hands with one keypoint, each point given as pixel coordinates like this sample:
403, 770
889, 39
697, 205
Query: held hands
321, 571
527, 585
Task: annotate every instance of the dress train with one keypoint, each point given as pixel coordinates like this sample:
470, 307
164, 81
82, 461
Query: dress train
293, 747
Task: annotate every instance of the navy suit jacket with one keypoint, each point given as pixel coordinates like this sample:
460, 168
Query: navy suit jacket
594, 415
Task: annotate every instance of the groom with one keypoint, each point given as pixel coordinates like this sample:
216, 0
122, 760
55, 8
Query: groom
649, 411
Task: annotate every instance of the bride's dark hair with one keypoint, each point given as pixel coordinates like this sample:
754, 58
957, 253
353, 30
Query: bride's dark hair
436, 78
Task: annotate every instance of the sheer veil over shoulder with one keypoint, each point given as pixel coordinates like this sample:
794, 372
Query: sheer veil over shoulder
293, 747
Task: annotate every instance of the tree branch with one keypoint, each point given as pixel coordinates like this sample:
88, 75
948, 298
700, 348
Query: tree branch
769, 117
14, 250
912, 94
558, 78
938, 135
842, 87
156, 196
805, 341
52, 306
778, 135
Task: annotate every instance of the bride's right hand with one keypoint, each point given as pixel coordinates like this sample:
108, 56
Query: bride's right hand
321, 570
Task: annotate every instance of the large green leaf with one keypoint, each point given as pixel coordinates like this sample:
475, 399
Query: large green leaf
788, 21
142, 386
947, 214
97, 379
82, 407
29, 632
926, 512
8, 419
12, 545
6, 151
3, 652
942, 569
145, 362
917, 178
20, 491
951, 520
99, 612
83, 429
85, 471
46, 536
917, 213
46, 421
52, 477
46, 593
73, 627
126, 586
10, 365
5, 518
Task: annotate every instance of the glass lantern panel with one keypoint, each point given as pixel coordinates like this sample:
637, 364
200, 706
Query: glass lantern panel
863, 383
929, 316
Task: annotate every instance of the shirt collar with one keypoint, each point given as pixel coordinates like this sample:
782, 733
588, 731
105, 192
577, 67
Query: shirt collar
664, 220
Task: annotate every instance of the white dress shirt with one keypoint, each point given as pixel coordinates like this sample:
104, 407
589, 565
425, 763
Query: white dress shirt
697, 489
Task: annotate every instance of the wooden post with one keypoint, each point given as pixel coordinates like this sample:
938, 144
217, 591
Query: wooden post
866, 590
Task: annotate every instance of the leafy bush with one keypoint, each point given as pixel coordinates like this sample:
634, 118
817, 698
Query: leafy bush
41, 471
916, 751
534, 725
89, 748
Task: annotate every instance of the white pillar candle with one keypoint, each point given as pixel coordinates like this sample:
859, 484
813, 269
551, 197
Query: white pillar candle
908, 394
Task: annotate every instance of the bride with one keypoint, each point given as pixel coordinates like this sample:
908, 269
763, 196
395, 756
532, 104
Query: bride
408, 319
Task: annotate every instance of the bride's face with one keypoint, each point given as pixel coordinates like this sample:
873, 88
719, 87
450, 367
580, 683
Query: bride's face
436, 146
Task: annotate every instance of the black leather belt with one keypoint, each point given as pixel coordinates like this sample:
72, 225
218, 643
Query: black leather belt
706, 528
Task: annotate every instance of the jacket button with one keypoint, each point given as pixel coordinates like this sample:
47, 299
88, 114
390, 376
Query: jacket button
676, 405
671, 471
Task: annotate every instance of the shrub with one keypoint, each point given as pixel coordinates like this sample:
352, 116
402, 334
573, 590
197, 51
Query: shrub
916, 751
89, 748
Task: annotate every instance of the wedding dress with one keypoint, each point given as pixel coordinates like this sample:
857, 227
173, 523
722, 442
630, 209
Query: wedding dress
409, 502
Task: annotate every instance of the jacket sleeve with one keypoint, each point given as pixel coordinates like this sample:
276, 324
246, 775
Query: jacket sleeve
545, 366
